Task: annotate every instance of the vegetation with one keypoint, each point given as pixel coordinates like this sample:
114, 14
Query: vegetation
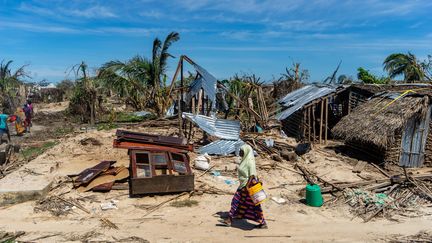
366, 77
293, 78
33, 152
67, 87
9, 82
84, 97
407, 65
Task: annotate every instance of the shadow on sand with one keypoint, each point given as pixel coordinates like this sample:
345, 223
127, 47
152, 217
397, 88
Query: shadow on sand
237, 223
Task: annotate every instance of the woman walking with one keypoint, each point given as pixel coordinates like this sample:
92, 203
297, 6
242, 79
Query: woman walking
242, 206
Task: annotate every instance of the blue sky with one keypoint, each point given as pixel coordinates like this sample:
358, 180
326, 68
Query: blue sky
225, 37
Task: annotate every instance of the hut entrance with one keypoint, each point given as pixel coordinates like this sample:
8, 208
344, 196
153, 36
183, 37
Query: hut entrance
414, 141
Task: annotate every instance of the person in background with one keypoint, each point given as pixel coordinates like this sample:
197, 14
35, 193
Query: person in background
30, 105
242, 206
19, 118
4, 127
28, 113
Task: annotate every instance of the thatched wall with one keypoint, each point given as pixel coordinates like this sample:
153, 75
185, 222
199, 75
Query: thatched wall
377, 121
428, 149
392, 154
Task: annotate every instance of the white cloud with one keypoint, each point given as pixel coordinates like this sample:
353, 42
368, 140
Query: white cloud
152, 14
61, 11
37, 27
92, 12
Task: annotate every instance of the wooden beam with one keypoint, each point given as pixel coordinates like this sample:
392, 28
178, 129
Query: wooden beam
175, 75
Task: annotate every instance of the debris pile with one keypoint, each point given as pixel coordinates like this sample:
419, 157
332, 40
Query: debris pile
57, 205
100, 178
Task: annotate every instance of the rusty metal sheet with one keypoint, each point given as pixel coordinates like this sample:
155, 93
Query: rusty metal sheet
89, 174
143, 138
106, 187
149, 147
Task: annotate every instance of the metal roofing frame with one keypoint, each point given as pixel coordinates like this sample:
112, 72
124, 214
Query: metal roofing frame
295, 100
221, 147
221, 128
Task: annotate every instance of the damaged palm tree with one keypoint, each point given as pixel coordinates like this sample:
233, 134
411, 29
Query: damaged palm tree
84, 98
292, 80
140, 81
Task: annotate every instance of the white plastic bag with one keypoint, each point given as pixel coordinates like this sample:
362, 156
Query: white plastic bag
202, 162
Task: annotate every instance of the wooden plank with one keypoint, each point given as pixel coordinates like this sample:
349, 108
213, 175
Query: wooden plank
162, 184
321, 121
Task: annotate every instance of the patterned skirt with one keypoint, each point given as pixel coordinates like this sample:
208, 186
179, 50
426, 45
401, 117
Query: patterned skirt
242, 206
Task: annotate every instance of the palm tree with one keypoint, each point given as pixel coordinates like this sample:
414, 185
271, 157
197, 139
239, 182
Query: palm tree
160, 56
404, 64
9, 81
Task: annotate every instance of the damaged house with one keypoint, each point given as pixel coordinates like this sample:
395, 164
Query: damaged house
391, 127
310, 112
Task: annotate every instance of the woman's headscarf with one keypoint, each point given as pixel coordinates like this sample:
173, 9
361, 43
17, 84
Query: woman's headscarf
247, 165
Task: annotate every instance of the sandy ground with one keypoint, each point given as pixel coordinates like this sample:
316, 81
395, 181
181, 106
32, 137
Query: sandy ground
290, 222
51, 107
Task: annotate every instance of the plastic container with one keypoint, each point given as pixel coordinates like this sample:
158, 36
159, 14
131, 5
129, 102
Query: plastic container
257, 194
313, 196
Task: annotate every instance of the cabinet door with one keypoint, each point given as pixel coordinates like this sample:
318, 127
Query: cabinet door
141, 166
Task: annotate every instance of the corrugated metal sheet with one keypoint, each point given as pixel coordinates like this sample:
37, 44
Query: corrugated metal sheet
207, 82
221, 128
414, 140
221, 147
295, 100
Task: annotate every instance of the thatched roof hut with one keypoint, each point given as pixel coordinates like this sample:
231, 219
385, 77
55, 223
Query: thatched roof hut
390, 127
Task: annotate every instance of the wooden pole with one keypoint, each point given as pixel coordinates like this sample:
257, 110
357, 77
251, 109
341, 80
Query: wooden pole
181, 79
321, 121
304, 124
200, 94
180, 117
313, 122
309, 122
326, 118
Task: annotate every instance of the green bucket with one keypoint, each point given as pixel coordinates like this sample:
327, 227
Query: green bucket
313, 196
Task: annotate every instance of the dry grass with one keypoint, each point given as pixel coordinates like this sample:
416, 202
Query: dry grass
184, 203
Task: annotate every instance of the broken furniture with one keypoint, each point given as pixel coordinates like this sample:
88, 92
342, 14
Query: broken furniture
158, 164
